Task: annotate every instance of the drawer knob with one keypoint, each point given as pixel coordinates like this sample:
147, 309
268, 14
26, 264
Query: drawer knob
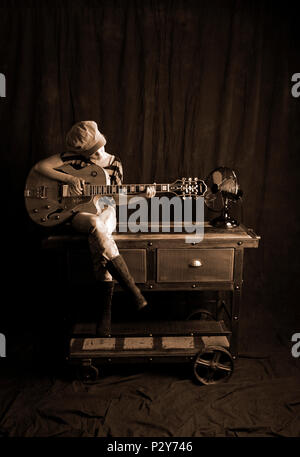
195, 263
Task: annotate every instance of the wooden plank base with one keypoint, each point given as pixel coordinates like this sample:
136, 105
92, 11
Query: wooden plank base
138, 341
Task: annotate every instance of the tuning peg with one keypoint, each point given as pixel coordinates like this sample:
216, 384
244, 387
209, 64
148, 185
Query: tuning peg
195, 179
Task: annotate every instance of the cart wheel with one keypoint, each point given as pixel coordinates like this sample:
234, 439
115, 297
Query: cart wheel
213, 364
87, 373
201, 314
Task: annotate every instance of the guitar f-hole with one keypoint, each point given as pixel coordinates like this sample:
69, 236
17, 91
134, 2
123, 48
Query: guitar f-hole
58, 210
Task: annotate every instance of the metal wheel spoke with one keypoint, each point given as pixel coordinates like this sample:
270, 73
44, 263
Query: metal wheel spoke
216, 357
203, 362
215, 360
223, 367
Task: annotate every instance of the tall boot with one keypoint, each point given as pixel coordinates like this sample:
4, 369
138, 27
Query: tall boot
118, 269
105, 290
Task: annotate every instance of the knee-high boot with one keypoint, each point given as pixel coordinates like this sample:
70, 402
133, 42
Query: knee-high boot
105, 290
118, 269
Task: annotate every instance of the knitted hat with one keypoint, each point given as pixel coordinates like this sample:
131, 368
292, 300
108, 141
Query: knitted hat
84, 138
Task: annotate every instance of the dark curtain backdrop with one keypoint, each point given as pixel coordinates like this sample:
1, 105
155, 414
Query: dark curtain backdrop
178, 87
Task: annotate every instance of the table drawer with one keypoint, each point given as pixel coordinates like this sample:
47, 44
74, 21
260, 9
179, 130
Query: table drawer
195, 265
136, 262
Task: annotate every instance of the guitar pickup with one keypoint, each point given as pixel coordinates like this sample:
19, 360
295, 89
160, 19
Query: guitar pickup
43, 192
38, 192
65, 190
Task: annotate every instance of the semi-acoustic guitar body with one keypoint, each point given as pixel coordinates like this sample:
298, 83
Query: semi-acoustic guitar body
49, 202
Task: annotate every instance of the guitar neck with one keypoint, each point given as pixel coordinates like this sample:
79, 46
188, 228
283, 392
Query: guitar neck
90, 190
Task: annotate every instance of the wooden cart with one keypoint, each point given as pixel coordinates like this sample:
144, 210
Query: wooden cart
165, 262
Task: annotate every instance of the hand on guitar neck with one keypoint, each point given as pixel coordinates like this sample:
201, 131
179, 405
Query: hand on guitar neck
150, 192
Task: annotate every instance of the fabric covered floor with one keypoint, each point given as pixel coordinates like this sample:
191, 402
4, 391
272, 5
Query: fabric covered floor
40, 398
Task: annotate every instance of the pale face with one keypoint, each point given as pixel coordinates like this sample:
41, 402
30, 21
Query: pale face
99, 154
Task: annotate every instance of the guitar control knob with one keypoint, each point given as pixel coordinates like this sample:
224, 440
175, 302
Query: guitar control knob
43, 219
48, 206
35, 210
57, 216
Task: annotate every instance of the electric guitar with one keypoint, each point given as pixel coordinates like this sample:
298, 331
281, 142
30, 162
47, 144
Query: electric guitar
50, 202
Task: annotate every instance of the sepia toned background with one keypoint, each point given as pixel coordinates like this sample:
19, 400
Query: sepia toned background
178, 88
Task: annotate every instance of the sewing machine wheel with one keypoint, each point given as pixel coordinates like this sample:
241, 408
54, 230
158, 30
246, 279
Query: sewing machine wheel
200, 314
87, 373
213, 365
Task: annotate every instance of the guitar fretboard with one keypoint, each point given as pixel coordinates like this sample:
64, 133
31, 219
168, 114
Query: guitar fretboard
126, 189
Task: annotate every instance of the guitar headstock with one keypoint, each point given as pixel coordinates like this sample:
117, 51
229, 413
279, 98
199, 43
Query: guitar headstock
188, 187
